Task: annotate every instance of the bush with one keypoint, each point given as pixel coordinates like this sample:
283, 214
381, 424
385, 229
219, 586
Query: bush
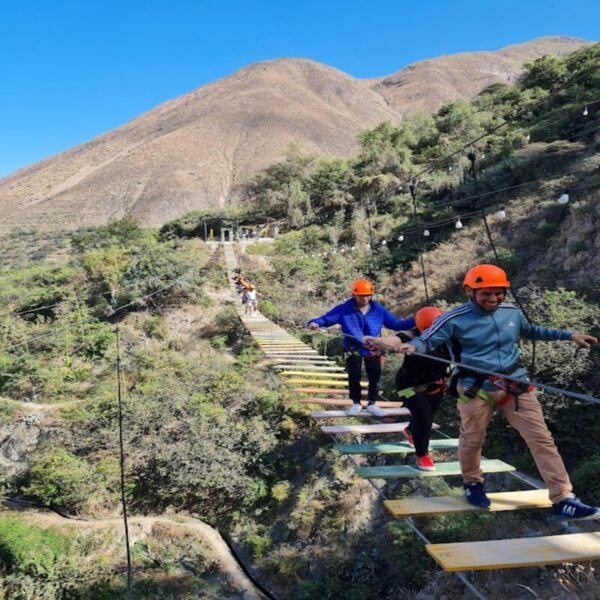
155, 326
28, 548
57, 477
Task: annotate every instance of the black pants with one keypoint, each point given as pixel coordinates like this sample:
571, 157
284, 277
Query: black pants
422, 408
354, 368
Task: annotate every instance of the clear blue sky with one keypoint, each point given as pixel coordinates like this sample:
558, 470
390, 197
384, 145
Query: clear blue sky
73, 69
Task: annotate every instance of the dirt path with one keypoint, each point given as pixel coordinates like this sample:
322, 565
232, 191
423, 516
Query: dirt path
141, 526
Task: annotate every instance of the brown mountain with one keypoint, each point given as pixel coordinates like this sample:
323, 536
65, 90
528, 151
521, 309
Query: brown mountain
189, 153
428, 84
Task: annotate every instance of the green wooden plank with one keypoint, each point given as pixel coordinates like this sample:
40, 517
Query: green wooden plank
442, 470
399, 448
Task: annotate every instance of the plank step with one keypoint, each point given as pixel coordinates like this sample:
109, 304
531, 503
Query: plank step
302, 362
373, 428
396, 448
443, 469
318, 390
444, 505
312, 355
283, 345
334, 414
345, 402
516, 553
323, 382
310, 368
316, 374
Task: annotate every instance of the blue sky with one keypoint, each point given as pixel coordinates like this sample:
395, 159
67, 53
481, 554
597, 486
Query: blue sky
73, 69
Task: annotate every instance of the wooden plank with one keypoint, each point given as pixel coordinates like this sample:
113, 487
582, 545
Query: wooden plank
286, 346
288, 355
322, 382
444, 505
282, 343
301, 362
442, 470
312, 354
317, 390
345, 402
396, 448
309, 367
335, 414
316, 374
374, 428
516, 553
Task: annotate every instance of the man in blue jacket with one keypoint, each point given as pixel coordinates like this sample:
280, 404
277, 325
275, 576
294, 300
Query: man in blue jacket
361, 316
483, 334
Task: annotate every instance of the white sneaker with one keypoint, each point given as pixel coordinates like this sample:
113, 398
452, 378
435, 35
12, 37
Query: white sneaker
354, 410
376, 411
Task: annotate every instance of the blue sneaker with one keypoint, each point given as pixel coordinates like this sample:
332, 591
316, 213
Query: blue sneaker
574, 508
475, 495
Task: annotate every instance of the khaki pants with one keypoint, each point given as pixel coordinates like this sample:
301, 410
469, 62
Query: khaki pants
529, 421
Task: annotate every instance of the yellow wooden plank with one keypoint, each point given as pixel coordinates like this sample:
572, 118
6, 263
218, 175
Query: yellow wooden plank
329, 382
443, 505
316, 374
516, 553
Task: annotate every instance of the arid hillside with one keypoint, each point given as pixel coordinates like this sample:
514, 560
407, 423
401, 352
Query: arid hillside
191, 152
428, 84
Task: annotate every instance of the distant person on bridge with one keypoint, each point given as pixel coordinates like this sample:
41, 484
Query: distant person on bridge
420, 384
483, 334
361, 316
250, 300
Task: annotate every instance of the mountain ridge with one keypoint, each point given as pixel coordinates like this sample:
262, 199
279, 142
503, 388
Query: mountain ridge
193, 151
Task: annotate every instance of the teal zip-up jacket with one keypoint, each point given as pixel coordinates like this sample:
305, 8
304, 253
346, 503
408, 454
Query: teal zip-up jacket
485, 340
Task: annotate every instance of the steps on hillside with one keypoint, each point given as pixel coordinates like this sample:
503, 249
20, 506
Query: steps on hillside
444, 505
442, 470
516, 553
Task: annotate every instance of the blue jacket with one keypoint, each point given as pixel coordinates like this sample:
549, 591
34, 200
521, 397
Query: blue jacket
485, 340
357, 325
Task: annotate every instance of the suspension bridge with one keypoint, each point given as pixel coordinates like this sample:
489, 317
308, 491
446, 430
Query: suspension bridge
320, 382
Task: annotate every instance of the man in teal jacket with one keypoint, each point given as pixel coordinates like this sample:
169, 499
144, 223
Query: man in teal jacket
483, 333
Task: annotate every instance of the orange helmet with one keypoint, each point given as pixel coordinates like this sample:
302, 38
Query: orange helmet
362, 287
486, 276
425, 316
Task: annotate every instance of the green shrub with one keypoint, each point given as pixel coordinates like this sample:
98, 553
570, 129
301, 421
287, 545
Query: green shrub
259, 544
155, 326
59, 478
7, 410
281, 491
586, 479
28, 549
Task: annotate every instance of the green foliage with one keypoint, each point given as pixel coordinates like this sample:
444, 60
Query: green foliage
155, 326
280, 491
7, 410
545, 72
586, 479
28, 550
59, 478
